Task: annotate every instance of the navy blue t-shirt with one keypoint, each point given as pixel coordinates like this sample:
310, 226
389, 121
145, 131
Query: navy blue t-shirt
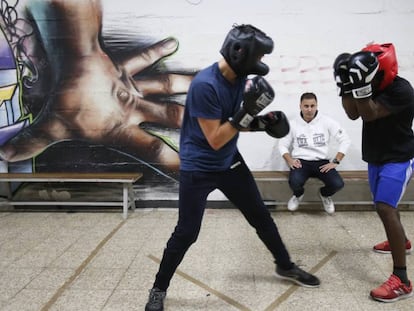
391, 139
210, 96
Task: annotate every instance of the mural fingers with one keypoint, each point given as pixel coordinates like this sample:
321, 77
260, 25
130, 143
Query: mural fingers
167, 84
150, 56
164, 114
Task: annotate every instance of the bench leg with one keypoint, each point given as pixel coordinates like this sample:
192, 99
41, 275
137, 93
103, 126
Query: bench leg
131, 197
9, 190
125, 200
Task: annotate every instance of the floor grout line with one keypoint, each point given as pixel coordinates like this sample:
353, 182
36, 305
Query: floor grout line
236, 304
200, 284
82, 267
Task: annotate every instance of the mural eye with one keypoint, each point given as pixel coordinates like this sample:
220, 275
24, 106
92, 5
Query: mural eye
123, 96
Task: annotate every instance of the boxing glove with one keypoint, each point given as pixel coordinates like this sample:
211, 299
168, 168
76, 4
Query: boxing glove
274, 123
362, 68
341, 75
258, 94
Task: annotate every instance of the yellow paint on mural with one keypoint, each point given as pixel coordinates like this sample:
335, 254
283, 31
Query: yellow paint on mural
7, 92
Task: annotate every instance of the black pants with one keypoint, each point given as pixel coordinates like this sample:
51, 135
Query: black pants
239, 186
333, 182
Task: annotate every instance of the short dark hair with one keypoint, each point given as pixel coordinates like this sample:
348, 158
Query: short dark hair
308, 95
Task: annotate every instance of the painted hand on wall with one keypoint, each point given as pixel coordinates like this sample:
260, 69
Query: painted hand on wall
95, 99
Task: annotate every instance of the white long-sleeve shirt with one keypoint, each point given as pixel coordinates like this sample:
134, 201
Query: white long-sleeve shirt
310, 141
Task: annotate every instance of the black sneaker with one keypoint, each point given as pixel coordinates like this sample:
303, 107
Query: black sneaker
155, 300
298, 276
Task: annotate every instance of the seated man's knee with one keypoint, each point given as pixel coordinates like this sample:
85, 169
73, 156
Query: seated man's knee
336, 184
296, 181
340, 184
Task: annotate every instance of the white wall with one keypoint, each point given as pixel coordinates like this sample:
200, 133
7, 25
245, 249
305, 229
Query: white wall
308, 36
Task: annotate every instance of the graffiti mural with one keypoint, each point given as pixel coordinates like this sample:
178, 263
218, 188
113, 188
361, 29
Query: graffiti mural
85, 105
14, 116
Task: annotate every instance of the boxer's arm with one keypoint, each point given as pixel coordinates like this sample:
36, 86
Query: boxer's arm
217, 134
350, 106
371, 110
366, 108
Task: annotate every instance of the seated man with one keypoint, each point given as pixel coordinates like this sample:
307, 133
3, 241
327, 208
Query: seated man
305, 150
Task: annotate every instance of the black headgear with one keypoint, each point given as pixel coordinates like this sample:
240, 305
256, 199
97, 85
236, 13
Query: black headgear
243, 48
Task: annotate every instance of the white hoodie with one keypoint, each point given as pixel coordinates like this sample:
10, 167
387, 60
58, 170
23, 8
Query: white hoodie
310, 141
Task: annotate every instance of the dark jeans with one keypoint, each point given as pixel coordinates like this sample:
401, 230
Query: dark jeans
239, 186
333, 182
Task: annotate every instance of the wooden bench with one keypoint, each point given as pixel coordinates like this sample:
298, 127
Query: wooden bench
274, 188
126, 179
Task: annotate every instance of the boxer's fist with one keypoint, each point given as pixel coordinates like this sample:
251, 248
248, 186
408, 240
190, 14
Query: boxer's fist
274, 123
341, 74
258, 94
362, 68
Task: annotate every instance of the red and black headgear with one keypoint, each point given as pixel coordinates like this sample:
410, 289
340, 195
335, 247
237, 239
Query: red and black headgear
243, 48
388, 66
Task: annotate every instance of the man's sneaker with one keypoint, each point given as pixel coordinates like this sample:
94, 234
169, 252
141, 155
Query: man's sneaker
298, 276
328, 204
155, 300
384, 247
293, 203
392, 290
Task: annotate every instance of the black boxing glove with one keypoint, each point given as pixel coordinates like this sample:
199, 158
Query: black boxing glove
274, 123
341, 75
362, 68
258, 94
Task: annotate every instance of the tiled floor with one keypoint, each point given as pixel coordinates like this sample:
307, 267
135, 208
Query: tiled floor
97, 261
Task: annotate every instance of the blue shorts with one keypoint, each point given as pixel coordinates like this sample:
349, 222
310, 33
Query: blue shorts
389, 181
